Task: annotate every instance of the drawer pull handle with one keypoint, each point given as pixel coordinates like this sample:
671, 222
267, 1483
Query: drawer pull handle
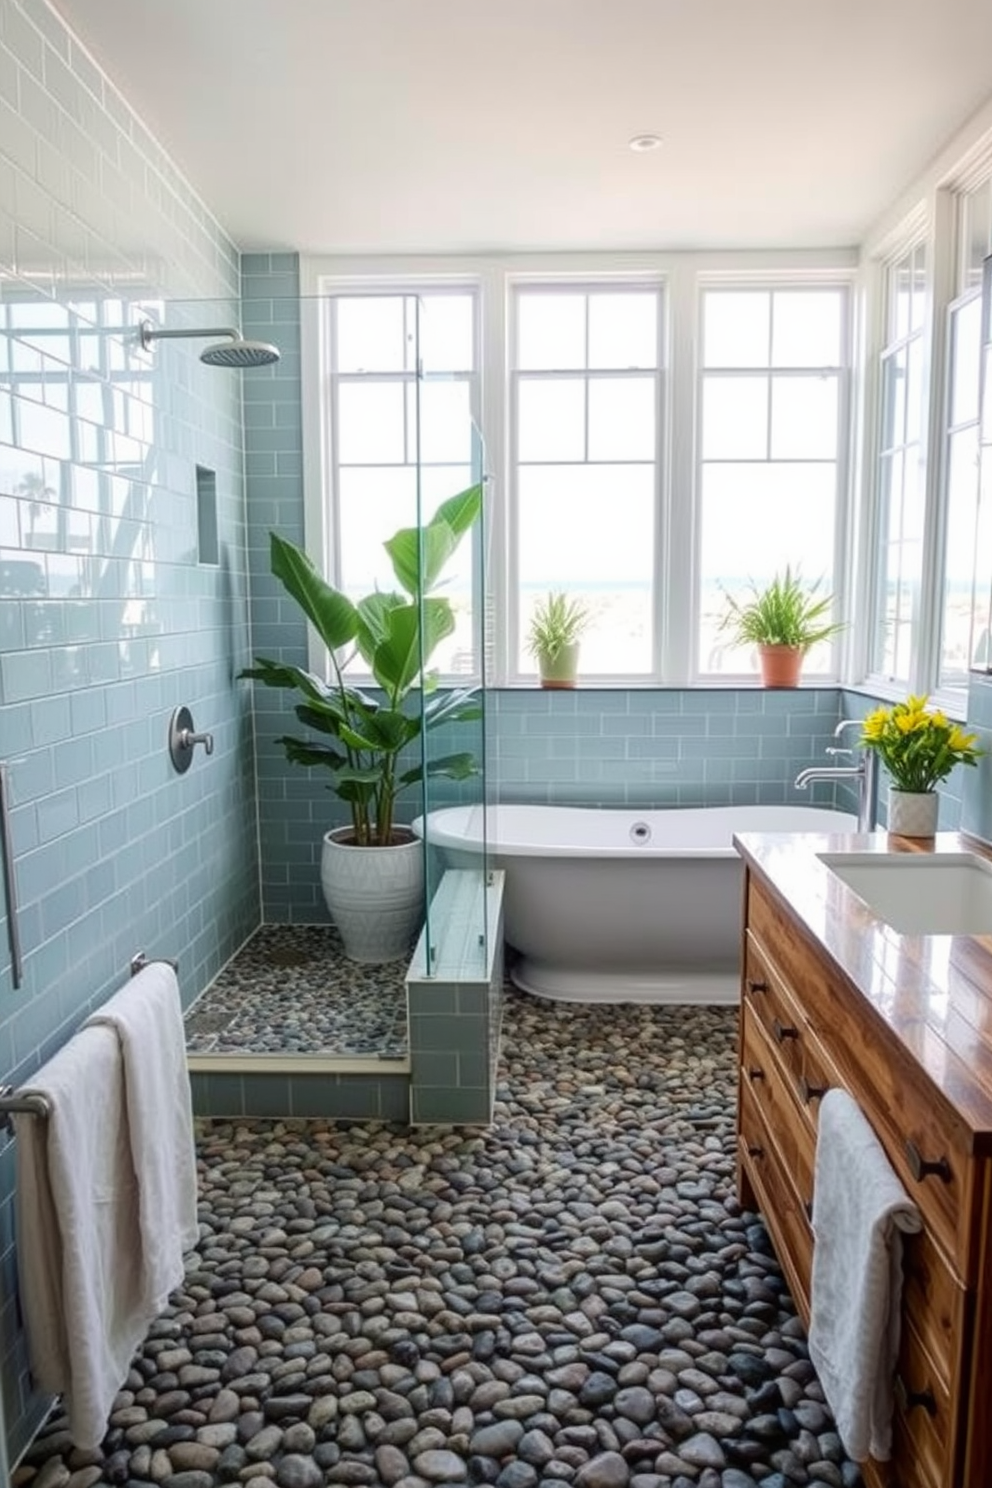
921, 1168
755, 986
783, 1031
810, 1092
755, 1151
756, 1072
914, 1399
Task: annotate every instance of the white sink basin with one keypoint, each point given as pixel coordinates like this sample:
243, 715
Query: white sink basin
921, 893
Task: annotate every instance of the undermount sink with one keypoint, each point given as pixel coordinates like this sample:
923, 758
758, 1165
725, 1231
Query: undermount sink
920, 893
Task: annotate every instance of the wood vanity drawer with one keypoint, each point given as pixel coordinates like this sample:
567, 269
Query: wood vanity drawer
882, 1077
923, 1425
774, 1093
935, 1300
772, 1004
780, 1206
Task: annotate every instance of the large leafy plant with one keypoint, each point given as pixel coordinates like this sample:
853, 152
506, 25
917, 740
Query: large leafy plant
395, 633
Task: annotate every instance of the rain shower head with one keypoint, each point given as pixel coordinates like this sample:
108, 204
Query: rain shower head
234, 352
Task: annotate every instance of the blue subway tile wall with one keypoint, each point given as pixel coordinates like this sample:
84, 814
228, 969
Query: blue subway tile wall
660, 747
291, 806
107, 621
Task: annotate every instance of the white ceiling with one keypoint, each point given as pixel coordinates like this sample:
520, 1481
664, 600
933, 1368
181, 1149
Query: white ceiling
363, 126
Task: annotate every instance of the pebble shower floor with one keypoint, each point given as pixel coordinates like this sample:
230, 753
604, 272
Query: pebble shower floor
572, 1297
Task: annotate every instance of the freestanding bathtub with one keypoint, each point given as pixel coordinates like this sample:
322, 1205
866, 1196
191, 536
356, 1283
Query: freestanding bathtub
620, 905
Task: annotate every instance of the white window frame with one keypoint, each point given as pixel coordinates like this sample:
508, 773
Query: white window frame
843, 513
961, 290
873, 608
553, 284
680, 277
322, 532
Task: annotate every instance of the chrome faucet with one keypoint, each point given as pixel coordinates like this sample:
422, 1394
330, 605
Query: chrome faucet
865, 772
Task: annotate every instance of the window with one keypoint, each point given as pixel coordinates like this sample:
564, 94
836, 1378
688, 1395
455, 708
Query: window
400, 398
958, 497
900, 472
586, 399
772, 409
641, 468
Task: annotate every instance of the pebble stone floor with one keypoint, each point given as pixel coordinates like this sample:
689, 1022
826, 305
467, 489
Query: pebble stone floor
291, 990
571, 1298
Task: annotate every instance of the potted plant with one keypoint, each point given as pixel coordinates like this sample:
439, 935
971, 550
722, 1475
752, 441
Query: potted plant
372, 870
553, 638
783, 620
919, 749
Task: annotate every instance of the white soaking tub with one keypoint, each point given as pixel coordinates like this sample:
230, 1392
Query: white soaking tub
606, 905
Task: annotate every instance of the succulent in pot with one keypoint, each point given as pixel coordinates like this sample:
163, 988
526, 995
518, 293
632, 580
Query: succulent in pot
369, 740
783, 620
553, 638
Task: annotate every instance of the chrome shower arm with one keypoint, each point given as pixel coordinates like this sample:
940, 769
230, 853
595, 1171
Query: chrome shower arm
149, 333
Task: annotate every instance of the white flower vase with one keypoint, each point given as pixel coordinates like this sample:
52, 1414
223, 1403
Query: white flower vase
913, 813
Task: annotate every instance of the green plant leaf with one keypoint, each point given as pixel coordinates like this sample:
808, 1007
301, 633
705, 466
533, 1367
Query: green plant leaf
280, 674
439, 543
397, 660
459, 706
440, 536
303, 752
331, 613
462, 511
373, 620
449, 766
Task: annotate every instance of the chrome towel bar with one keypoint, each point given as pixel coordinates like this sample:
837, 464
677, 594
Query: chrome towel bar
33, 1102
139, 961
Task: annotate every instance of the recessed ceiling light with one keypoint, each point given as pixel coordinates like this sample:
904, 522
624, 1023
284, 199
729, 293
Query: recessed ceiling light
642, 142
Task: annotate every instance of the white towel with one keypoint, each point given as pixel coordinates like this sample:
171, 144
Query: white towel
78, 1241
860, 1210
147, 1017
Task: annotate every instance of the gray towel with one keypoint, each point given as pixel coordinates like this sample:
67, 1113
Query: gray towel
78, 1238
860, 1210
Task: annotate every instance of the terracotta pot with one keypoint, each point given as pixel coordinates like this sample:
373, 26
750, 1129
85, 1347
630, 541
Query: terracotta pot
913, 813
780, 665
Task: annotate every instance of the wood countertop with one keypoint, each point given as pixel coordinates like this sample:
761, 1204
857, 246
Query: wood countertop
932, 993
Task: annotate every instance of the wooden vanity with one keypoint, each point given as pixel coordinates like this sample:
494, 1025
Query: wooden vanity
833, 996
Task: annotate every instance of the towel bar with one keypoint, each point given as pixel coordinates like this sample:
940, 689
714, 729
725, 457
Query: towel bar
13, 1101
139, 961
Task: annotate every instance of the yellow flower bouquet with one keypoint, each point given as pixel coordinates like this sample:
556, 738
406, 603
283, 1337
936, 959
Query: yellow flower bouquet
918, 748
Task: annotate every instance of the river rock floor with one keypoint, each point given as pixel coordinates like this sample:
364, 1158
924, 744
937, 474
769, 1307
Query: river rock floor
571, 1297
291, 990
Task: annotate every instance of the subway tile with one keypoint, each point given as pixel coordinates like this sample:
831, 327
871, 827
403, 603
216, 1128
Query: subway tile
471, 1107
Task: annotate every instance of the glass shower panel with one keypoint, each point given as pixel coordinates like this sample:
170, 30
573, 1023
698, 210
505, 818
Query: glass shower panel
450, 479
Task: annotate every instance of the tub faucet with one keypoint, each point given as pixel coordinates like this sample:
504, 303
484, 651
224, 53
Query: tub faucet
865, 772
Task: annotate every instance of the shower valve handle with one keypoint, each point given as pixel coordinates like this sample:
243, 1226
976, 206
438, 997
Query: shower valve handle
183, 739
189, 740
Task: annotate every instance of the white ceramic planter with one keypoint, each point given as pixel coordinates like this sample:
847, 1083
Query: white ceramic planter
913, 813
375, 895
